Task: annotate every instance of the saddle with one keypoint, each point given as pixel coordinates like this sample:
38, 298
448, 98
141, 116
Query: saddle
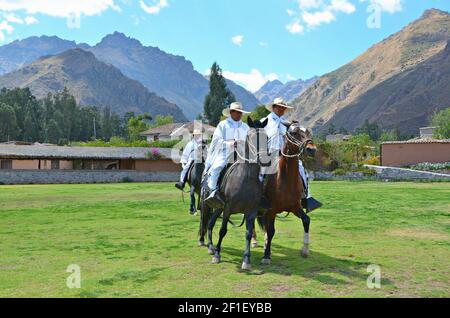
223, 178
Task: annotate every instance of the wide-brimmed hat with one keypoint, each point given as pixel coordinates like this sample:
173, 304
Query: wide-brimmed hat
279, 102
236, 107
197, 132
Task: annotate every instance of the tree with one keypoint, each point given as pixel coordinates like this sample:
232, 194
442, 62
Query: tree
442, 122
359, 145
162, 120
259, 112
219, 96
137, 125
371, 129
8, 123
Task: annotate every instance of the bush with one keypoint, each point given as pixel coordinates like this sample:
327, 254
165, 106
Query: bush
426, 166
165, 144
374, 161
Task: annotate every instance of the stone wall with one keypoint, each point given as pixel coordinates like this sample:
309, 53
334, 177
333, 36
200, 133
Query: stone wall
406, 174
83, 176
383, 173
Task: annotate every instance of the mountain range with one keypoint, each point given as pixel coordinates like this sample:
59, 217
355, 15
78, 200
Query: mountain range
169, 76
398, 83
91, 81
289, 91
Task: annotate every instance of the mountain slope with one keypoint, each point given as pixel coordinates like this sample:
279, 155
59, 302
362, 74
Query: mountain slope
170, 76
91, 82
415, 94
20, 53
399, 54
288, 91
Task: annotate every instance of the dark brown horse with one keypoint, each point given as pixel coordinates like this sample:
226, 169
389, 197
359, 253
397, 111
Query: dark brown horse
284, 188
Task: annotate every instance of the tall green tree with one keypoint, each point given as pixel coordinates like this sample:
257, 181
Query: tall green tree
219, 96
9, 129
442, 122
137, 125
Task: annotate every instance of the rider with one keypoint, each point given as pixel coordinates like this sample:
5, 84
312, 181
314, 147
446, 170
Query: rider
222, 149
190, 154
275, 132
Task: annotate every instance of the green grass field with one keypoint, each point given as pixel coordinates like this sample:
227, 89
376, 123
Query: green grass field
138, 240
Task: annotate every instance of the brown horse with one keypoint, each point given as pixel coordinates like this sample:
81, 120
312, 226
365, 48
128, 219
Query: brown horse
284, 188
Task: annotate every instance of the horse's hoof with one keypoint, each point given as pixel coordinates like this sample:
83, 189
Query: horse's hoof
216, 260
265, 261
246, 266
201, 244
304, 253
211, 251
255, 244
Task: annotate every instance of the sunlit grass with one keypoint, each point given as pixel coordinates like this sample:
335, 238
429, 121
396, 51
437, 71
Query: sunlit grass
138, 240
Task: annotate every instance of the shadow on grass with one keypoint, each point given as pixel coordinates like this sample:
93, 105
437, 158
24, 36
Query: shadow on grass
288, 262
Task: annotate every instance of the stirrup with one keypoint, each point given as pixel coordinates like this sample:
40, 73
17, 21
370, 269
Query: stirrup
179, 186
311, 204
214, 200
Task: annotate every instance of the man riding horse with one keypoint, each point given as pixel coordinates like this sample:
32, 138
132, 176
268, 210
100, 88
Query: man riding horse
193, 152
229, 134
276, 131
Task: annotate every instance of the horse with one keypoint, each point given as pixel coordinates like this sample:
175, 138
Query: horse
284, 188
242, 190
194, 180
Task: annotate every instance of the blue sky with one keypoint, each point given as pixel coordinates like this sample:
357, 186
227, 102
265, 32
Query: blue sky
253, 40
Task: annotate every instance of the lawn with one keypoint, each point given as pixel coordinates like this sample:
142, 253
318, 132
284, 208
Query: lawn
138, 240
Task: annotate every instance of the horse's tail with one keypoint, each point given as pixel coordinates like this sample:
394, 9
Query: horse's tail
261, 222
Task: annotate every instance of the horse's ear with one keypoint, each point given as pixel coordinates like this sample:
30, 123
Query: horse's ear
250, 122
287, 124
264, 123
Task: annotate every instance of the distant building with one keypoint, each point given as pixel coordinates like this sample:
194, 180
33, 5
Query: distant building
338, 138
38, 157
174, 131
427, 132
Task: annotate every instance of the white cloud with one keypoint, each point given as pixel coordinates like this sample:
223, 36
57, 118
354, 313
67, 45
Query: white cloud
289, 77
237, 40
5, 27
342, 6
251, 81
295, 27
263, 44
309, 4
12, 18
31, 20
317, 18
58, 8
390, 6
313, 13
155, 8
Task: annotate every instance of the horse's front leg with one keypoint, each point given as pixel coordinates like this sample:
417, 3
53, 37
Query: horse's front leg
211, 225
222, 233
192, 209
306, 222
254, 239
270, 233
250, 224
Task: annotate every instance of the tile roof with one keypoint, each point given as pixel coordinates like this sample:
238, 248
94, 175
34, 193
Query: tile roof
419, 141
58, 152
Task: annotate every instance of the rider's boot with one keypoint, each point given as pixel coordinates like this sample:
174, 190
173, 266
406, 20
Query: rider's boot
180, 185
215, 200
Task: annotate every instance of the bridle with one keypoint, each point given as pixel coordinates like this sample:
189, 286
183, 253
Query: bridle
301, 145
253, 151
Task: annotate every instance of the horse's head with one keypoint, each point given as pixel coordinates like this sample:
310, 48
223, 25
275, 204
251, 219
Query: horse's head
299, 140
257, 139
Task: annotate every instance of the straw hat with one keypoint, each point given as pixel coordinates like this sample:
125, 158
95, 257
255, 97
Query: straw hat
279, 102
197, 132
236, 107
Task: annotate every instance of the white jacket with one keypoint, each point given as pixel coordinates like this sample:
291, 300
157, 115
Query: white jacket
222, 145
275, 131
